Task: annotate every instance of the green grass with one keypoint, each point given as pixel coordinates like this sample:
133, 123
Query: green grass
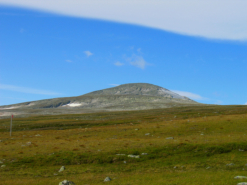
206, 140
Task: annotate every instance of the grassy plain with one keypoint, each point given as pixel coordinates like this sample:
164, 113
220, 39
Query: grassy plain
209, 147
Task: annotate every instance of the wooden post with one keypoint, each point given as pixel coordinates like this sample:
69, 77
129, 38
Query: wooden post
11, 125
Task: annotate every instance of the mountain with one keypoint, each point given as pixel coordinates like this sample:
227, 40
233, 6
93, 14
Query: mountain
139, 89
133, 96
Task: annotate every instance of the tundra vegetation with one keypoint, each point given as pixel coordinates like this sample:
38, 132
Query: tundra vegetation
184, 145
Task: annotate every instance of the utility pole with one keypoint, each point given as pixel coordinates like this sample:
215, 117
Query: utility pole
11, 125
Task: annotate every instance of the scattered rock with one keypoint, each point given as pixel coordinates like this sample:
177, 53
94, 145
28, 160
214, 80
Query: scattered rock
144, 153
3, 166
1, 141
136, 129
107, 179
208, 167
124, 162
29, 143
170, 138
230, 164
37, 135
62, 169
66, 182
120, 154
240, 177
147, 134
242, 183
1, 162
134, 156
175, 167
240, 150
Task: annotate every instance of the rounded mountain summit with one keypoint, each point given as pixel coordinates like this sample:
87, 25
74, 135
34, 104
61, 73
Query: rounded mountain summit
139, 89
132, 96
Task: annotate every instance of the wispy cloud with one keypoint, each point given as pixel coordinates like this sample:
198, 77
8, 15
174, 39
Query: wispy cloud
138, 61
118, 63
218, 102
88, 53
22, 30
190, 95
26, 90
226, 20
68, 60
245, 103
114, 84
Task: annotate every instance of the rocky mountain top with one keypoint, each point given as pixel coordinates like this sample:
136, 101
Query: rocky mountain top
133, 96
139, 89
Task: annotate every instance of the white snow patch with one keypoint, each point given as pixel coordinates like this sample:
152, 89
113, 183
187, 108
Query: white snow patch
30, 104
74, 104
11, 107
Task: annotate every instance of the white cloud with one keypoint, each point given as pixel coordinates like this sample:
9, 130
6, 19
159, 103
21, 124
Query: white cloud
190, 95
245, 103
88, 53
138, 61
118, 63
68, 60
26, 90
217, 19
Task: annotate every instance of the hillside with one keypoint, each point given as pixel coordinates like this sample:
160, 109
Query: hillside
196, 145
135, 96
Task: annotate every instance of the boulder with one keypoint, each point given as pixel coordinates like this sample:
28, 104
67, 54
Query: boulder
170, 138
240, 177
62, 169
107, 179
230, 164
242, 183
134, 156
66, 182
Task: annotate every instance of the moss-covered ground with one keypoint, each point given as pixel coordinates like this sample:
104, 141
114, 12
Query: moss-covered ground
208, 146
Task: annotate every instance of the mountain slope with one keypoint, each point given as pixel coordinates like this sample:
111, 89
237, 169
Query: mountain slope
135, 96
138, 89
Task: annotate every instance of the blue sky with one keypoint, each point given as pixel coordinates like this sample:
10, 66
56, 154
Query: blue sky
46, 55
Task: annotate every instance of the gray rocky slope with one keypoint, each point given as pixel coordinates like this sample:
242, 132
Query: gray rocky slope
135, 96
